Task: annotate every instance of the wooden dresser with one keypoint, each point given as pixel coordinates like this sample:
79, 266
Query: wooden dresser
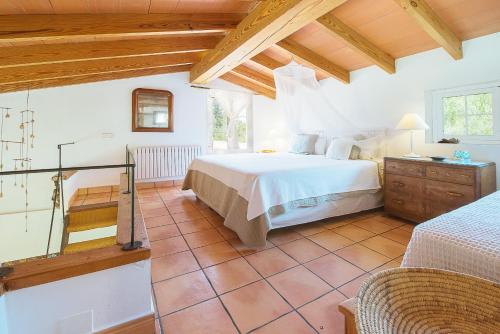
420, 189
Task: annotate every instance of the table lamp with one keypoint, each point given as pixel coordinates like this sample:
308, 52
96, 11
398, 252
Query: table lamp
412, 122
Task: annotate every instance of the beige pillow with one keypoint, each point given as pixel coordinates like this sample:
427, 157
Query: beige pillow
340, 149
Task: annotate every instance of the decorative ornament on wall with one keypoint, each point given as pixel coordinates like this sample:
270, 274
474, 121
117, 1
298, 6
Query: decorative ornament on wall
21, 148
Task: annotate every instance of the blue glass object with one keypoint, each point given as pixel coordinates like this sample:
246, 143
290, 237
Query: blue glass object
462, 155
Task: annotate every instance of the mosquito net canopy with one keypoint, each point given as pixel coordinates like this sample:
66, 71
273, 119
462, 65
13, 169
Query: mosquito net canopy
306, 105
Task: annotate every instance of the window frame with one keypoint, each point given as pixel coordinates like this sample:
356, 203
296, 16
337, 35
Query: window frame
249, 115
435, 112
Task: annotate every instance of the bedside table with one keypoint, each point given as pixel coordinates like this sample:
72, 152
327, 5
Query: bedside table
421, 189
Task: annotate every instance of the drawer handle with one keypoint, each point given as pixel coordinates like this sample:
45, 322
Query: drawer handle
398, 201
454, 194
433, 172
398, 184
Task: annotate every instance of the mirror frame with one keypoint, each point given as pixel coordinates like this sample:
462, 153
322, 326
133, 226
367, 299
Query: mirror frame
135, 99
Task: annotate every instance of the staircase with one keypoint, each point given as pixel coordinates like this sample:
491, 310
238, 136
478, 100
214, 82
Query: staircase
91, 216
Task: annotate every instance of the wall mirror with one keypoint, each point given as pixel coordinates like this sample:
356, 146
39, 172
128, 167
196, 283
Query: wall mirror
152, 110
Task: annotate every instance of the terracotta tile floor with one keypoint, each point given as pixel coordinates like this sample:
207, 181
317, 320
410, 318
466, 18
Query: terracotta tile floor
206, 281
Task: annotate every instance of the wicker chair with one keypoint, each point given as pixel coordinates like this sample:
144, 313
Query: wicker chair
420, 300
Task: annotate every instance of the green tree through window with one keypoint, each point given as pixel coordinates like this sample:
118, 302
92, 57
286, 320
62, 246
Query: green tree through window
468, 115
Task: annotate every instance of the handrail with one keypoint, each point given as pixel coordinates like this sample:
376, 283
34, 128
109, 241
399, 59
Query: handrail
64, 169
130, 170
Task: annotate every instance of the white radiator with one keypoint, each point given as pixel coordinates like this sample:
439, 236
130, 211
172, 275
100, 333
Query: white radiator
164, 162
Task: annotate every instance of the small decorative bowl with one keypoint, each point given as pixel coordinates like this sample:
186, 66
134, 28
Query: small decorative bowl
438, 158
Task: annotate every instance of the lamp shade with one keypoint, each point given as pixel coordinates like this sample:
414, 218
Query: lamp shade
412, 122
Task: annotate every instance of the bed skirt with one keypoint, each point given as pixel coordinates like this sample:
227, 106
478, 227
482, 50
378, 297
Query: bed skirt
229, 204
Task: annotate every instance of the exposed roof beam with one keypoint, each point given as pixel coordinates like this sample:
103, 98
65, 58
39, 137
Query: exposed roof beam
56, 53
431, 23
237, 80
93, 67
313, 59
257, 77
46, 27
19, 86
266, 61
357, 42
270, 22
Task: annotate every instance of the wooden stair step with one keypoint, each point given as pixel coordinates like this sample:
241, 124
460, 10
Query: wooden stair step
89, 244
83, 220
86, 207
90, 225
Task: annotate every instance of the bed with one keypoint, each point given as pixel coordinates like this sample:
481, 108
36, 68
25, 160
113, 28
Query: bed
466, 240
257, 192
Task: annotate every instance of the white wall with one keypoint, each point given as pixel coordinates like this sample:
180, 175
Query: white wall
82, 113
94, 301
377, 99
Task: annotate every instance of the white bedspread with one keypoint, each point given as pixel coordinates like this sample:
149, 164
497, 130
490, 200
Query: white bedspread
270, 179
466, 240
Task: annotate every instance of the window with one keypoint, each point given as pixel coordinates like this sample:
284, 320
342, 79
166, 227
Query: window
230, 120
471, 114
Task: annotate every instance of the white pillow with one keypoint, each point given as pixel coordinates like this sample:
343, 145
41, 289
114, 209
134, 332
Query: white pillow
340, 148
370, 147
303, 144
320, 146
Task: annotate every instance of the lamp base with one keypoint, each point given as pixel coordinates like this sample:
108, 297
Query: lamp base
412, 155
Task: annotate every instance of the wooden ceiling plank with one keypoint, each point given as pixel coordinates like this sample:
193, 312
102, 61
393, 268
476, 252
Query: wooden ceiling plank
433, 25
358, 42
266, 61
58, 53
237, 80
46, 27
65, 81
93, 67
270, 22
255, 76
314, 60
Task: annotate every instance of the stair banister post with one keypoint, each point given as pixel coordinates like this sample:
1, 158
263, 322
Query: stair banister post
133, 244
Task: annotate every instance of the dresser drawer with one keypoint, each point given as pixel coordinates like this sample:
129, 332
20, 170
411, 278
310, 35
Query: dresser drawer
450, 193
404, 185
404, 168
442, 197
403, 204
454, 175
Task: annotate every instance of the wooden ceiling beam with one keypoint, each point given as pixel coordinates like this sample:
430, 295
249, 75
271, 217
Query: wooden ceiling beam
314, 60
46, 27
65, 81
250, 85
266, 61
433, 25
93, 67
270, 22
255, 76
58, 53
358, 43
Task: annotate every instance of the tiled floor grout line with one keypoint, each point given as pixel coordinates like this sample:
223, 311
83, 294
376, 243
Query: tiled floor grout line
266, 278
330, 252
279, 294
284, 243
281, 316
277, 246
209, 282
156, 309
